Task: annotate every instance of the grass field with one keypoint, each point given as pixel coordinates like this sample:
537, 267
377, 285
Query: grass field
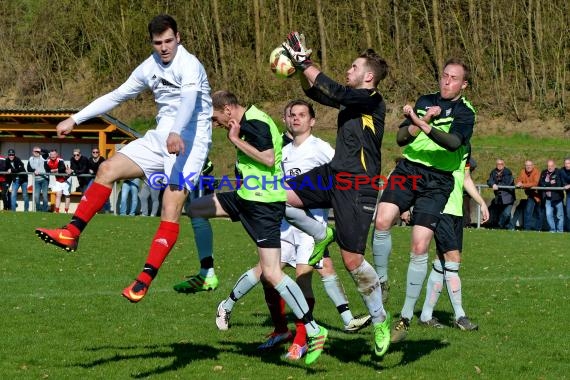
63, 317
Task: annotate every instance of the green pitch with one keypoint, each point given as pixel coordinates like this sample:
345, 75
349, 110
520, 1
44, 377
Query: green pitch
62, 315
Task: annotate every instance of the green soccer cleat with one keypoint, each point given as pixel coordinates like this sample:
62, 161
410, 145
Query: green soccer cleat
197, 283
321, 246
316, 344
382, 336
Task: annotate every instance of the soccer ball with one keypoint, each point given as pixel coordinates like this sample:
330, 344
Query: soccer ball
281, 65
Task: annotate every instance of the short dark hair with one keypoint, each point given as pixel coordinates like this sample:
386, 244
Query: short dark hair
301, 102
161, 24
376, 64
223, 98
460, 62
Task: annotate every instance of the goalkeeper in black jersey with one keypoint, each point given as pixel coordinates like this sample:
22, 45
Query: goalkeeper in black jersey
346, 184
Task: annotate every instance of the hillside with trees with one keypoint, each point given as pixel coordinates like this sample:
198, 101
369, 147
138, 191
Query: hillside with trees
63, 53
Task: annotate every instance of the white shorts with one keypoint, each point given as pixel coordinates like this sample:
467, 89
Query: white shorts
296, 245
160, 167
63, 187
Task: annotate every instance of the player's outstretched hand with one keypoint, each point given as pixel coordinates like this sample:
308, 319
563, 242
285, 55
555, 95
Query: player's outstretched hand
65, 127
297, 51
174, 144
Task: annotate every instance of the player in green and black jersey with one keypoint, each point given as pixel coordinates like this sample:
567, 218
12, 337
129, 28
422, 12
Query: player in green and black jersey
259, 202
436, 136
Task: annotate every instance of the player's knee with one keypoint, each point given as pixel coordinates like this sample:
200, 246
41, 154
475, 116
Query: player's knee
452, 256
352, 261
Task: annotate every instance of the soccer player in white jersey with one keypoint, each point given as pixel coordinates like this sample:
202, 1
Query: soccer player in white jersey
175, 150
302, 154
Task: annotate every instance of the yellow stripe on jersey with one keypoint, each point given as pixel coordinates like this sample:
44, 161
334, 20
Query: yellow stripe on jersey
362, 158
368, 122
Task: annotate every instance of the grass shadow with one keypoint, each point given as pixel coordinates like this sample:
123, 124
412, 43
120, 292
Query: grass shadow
414, 350
182, 355
273, 356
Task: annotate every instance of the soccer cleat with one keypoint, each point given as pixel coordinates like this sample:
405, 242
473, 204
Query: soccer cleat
275, 339
434, 322
295, 352
382, 336
463, 323
60, 237
135, 291
400, 330
385, 286
223, 317
358, 323
197, 283
315, 345
320, 247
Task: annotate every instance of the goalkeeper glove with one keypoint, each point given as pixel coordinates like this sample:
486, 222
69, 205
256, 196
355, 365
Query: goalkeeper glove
295, 49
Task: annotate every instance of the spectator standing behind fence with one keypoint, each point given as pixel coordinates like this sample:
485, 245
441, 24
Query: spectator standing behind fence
56, 165
553, 199
41, 179
504, 198
129, 187
79, 165
565, 173
145, 192
529, 177
4, 183
19, 181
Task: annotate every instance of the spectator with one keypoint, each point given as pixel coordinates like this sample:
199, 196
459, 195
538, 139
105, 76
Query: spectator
79, 166
145, 192
56, 165
504, 198
565, 173
130, 188
5, 181
529, 177
41, 179
19, 181
94, 162
553, 199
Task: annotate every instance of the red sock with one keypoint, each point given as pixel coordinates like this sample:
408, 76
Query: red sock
161, 245
276, 306
301, 331
91, 202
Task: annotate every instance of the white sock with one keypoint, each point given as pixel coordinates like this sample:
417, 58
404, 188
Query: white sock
244, 284
433, 290
368, 285
306, 222
453, 283
417, 271
381, 249
336, 293
293, 296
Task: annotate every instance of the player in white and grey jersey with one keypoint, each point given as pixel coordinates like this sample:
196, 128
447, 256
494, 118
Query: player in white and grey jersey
177, 148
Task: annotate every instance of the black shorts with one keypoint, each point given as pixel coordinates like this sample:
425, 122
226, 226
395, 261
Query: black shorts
427, 189
449, 234
261, 220
353, 203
